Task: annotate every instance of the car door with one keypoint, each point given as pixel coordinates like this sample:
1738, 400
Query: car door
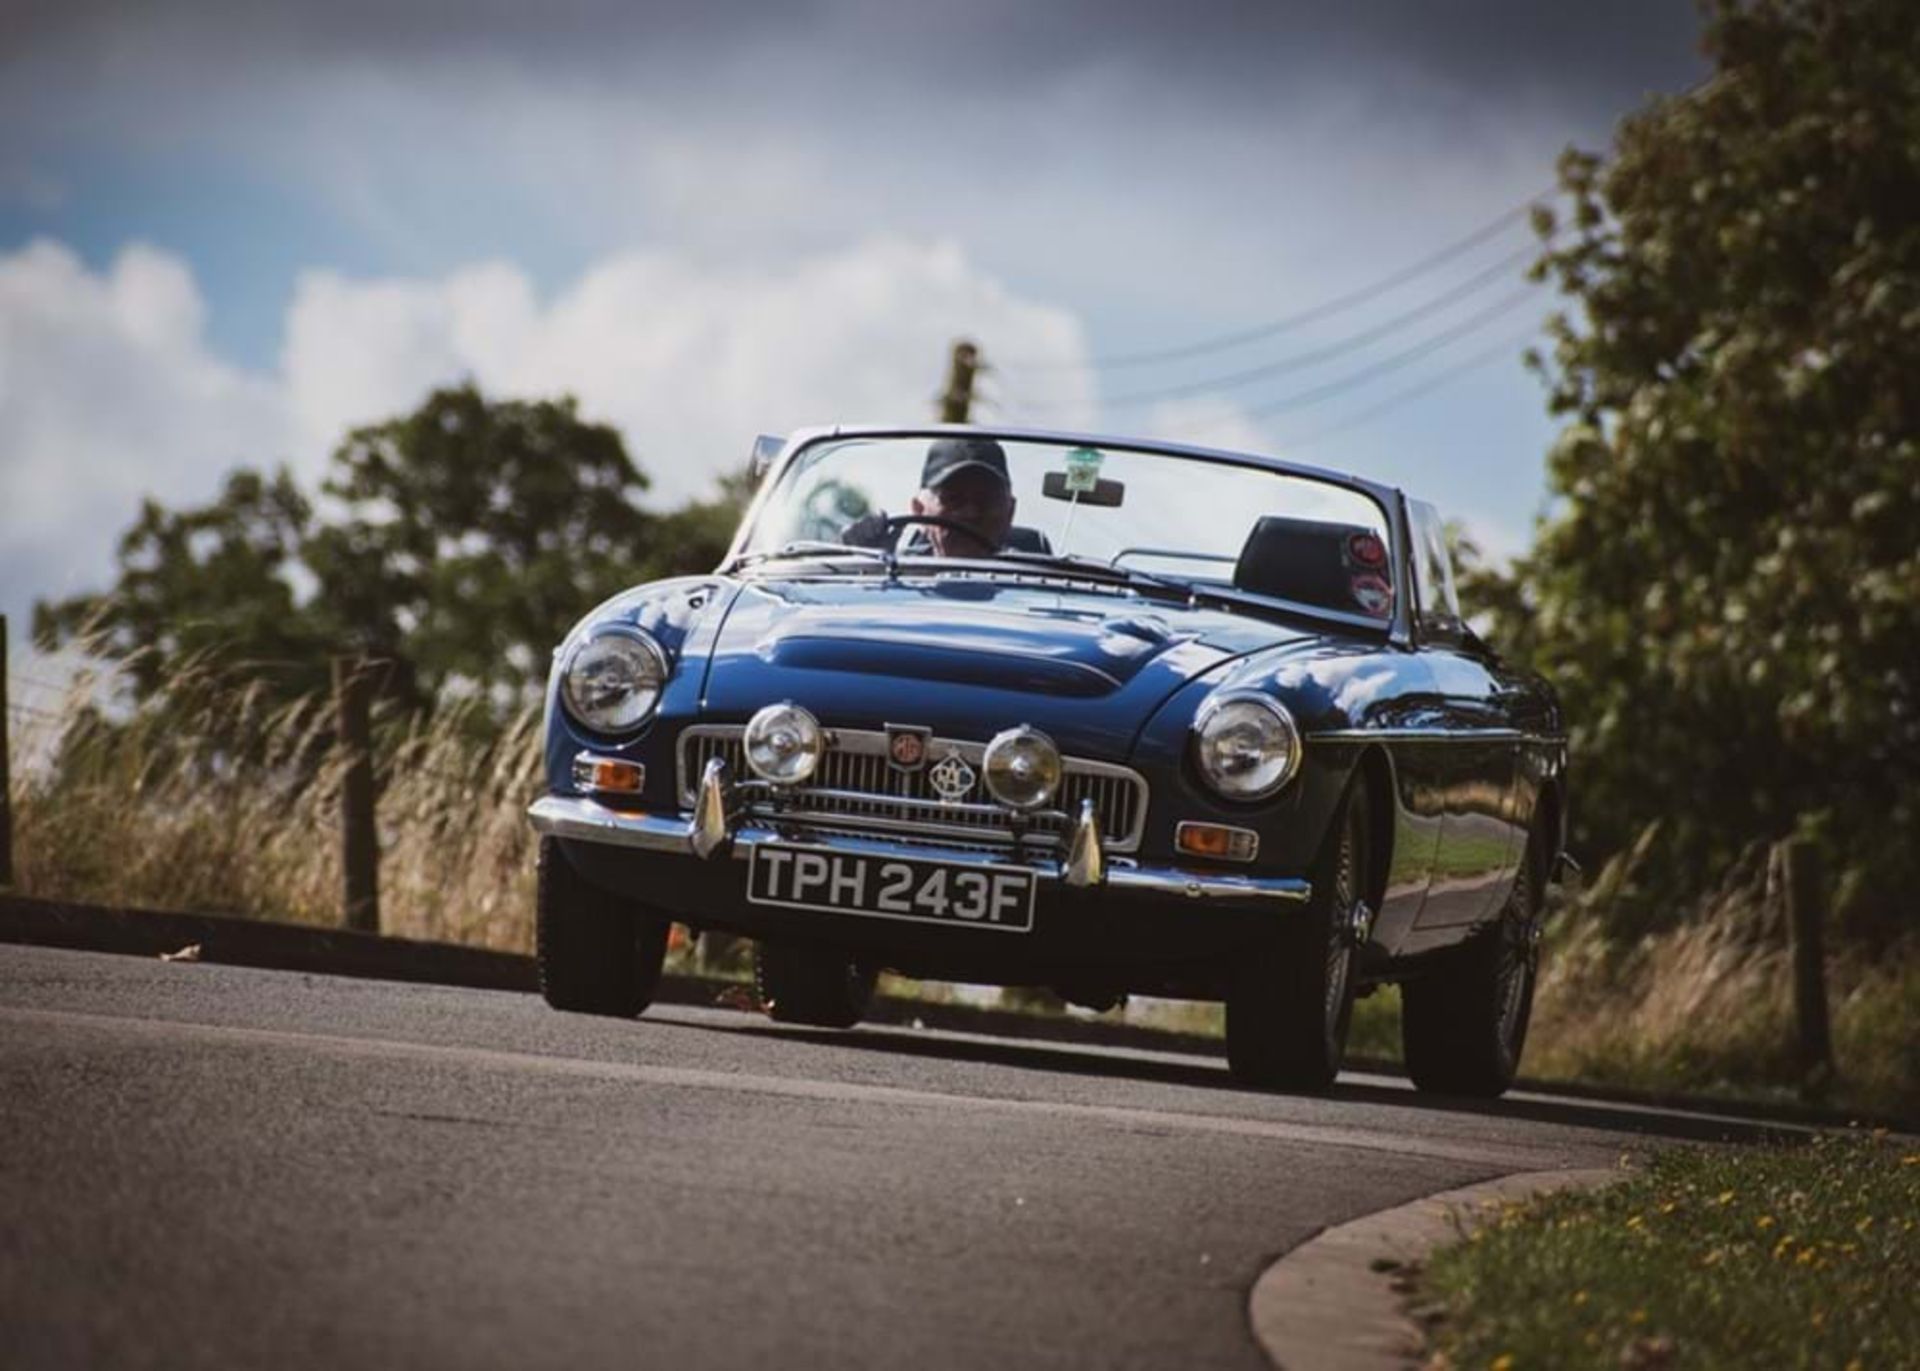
1472, 732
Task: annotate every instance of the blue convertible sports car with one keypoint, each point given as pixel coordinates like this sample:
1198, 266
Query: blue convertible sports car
1104, 715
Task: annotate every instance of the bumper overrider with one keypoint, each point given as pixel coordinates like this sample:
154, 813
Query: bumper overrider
719, 830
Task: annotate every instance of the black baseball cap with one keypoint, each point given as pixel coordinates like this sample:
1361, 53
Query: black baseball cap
947, 455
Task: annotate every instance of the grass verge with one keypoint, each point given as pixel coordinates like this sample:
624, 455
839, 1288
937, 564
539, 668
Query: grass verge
1801, 1256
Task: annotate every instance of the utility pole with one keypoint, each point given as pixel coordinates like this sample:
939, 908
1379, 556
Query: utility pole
956, 401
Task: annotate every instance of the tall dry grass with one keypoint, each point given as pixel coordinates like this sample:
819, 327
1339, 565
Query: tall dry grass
1707, 1004
207, 799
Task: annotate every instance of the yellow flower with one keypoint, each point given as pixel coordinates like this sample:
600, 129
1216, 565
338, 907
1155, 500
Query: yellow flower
1503, 1362
1764, 1221
1864, 1224
1911, 1159
1579, 1298
1807, 1254
1725, 1197
1635, 1222
1637, 1316
1819, 1318
1666, 1208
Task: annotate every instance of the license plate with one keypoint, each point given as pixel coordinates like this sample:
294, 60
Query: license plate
971, 895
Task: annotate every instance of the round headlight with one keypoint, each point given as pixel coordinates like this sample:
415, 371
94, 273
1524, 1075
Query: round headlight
1246, 745
613, 680
1022, 768
783, 744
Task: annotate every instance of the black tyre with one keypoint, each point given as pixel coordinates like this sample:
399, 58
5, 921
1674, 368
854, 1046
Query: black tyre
1462, 1028
1291, 997
811, 985
596, 953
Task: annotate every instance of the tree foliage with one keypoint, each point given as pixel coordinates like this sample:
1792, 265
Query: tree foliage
456, 543
1727, 587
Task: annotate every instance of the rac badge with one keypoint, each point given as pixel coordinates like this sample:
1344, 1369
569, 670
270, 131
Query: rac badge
952, 778
907, 746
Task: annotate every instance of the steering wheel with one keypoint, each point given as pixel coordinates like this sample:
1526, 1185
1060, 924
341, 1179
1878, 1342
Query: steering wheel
898, 524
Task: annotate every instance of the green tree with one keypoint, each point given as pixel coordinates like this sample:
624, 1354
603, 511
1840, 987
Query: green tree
457, 543
1727, 587
211, 585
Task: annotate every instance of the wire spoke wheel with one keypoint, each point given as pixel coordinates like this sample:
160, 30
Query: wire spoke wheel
1462, 1029
1345, 894
1291, 997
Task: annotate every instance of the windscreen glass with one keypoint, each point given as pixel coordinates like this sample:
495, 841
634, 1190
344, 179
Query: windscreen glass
976, 499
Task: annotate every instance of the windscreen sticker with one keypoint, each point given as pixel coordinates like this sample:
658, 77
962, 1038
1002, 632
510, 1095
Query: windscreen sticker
1083, 470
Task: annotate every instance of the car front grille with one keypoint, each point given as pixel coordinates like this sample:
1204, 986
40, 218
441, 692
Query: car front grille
856, 789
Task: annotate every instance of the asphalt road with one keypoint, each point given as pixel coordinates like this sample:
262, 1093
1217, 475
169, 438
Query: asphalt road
205, 1165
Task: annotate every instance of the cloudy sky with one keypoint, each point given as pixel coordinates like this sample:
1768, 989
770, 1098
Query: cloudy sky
229, 229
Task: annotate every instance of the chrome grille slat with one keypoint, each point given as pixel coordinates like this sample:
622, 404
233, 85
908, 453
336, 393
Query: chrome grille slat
869, 791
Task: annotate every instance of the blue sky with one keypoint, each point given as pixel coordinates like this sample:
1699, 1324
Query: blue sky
228, 231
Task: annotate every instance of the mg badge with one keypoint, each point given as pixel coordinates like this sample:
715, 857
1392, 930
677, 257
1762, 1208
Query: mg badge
907, 746
952, 778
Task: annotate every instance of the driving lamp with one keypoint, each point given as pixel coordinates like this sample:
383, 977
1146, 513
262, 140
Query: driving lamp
1022, 768
1245, 745
613, 679
783, 744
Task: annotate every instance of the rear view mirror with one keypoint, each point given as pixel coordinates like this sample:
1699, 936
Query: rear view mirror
765, 448
1104, 495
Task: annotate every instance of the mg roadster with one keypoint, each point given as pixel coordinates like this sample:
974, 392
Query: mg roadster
1103, 715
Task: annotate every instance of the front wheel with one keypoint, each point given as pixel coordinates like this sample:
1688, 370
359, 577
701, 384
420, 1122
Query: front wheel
1291, 997
812, 985
596, 953
1462, 1029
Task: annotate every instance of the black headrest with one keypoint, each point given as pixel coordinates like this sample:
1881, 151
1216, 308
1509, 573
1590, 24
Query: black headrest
1023, 539
1331, 566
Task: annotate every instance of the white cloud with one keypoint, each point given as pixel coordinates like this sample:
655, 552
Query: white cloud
109, 391
687, 360
108, 394
1214, 420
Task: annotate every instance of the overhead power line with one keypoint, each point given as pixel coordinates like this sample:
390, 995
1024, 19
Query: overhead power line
1504, 347
1393, 361
1273, 328
1501, 269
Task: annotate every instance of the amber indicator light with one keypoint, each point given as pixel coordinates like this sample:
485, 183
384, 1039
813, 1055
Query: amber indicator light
609, 775
1219, 842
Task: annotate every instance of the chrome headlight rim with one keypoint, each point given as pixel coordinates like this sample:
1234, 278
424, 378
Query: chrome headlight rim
806, 753
650, 680
1053, 768
1292, 753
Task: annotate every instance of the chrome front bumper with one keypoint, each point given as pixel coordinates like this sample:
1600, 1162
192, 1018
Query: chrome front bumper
715, 831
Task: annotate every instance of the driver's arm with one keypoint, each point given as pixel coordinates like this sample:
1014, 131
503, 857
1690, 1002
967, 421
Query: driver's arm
870, 530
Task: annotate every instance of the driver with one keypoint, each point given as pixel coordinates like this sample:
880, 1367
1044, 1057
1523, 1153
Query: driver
965, 481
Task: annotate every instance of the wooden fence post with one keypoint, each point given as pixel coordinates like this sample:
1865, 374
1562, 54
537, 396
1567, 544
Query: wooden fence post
359, 840
6, 771
1805, 883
